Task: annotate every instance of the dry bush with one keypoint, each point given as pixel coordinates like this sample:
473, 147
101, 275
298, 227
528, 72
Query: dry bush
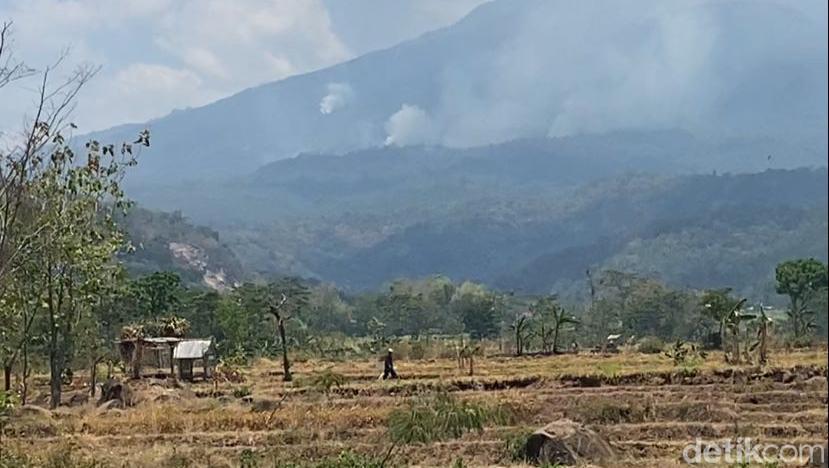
607, 410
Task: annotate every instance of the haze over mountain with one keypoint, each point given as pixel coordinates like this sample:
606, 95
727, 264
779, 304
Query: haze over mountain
520, 146
525, 69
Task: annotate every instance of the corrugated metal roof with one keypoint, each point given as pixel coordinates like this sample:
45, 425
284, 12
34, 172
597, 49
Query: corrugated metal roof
192, 349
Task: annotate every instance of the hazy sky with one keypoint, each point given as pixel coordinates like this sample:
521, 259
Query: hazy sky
158, 55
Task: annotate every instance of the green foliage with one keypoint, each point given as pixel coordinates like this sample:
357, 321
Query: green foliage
441, 417
8, 400
549, 319
651, 345
801, 280
247, 459
684, 354
478, 310
326, 379
241, 392
515, 444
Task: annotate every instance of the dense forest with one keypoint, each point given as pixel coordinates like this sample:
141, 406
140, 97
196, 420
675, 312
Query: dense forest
694, 231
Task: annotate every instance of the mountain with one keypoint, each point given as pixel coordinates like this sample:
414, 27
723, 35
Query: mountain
520, 146
689, 230
168, 242
515, 69
417, 182
699, 231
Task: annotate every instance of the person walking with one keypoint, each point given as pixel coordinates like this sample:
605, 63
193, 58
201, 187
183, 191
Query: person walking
388, 366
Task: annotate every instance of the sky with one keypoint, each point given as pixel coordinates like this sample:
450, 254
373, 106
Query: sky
159, 55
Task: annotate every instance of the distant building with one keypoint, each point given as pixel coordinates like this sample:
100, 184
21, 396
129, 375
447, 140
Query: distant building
157, 353
187, 352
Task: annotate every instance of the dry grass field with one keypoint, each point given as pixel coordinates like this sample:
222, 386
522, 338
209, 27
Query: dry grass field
645, 407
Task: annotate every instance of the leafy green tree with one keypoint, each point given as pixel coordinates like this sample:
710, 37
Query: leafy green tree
200, 308
56, 214
477, 309
79, 241
801, 280
157, 294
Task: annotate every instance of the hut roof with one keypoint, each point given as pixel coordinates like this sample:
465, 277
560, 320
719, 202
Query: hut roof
192, 349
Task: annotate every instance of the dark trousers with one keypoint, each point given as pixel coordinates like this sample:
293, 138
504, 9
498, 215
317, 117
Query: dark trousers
389, 373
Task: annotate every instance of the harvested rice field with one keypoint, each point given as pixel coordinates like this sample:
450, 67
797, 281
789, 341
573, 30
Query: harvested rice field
337, 413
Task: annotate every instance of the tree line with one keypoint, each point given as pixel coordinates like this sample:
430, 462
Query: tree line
65, 296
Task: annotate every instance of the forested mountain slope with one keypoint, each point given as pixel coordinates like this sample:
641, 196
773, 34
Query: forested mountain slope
696, 230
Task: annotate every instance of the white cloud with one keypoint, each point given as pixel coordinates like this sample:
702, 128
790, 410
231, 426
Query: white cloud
411, 125
339, 95
157, 55
240, 44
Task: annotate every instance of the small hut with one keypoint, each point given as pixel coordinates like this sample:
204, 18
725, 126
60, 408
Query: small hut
154, 352
187, 352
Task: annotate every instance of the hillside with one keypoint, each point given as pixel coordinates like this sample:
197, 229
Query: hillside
695, 230
168, 242
417, 181
517, 69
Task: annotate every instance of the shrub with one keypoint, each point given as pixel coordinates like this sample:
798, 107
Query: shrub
651, 345
515, 445
610, 411
441, 417
685, 355
325, 380
247, 459
241, 392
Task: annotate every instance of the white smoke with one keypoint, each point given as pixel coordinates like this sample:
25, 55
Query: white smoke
567, 68
411, 125
339, 95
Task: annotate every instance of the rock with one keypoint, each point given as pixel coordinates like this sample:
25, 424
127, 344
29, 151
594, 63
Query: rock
109, 405
566, 443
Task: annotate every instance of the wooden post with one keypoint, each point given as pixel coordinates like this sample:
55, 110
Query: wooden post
172, 362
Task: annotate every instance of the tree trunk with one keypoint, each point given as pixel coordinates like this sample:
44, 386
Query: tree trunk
555, 338
798, 325
724, 342
763, 337
7, 376
471, 365
25, 382
286, 365
55, 369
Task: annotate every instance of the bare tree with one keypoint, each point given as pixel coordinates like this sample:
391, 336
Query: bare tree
292, 298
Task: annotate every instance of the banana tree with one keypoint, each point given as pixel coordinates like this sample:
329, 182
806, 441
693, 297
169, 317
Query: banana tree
732, 323
761, 345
